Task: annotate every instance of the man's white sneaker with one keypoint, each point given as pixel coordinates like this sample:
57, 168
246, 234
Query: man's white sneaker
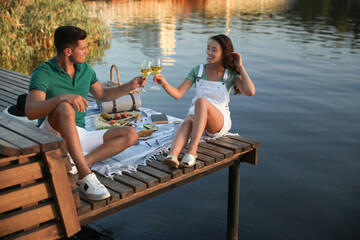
93, 189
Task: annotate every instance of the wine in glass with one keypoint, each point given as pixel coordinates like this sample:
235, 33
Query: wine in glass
145, 69
156, 69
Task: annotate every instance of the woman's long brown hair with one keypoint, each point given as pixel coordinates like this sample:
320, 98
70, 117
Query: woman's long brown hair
227, 48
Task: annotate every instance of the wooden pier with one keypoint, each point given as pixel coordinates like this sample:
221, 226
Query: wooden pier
39, 198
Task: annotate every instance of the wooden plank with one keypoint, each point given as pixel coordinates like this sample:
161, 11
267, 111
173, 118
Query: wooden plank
62, 192
27, 146
8, 96
157, 190
226, 152
208, 152
46, 140
66, 160
20, 173
226, 145
94, 204
114, 197
31, 157
19, 220
47, 231
20, 84
84, 207
9, 149
199, 164
243, 145
5, 82
149, 180
4, 104
162, 176
123, 190
13, 199
206, 159
14, 73
174, 172
250, 157
254, 144
135, 184
76, 197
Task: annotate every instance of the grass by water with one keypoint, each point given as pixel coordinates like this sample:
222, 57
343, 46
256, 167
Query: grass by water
27, 31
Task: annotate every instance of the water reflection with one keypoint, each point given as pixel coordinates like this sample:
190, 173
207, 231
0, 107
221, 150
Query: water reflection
157, 25
154, 24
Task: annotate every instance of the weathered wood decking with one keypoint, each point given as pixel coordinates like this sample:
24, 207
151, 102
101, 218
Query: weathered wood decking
126, 190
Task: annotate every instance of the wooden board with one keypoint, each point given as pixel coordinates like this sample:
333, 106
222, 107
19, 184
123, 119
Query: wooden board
19, 220
20, 173
135, 184
46, 140
149, 180
27, 146
62, 192
24, 196
162, 176
46, 231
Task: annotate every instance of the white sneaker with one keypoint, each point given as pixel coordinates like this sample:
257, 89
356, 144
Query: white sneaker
93, 189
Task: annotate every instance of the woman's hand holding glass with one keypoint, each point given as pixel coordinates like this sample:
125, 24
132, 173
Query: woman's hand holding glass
159, 79
156, 70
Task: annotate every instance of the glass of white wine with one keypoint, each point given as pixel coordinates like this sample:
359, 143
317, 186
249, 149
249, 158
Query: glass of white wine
156, 69
145, 69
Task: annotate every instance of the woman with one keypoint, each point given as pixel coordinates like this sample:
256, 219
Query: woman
209, 110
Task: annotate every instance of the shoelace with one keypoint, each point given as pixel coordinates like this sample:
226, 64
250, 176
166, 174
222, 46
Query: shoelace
95, 183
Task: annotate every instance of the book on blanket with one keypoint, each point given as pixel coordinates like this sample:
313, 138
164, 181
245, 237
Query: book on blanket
159, 118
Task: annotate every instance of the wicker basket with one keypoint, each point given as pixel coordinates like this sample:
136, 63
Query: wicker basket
112, 83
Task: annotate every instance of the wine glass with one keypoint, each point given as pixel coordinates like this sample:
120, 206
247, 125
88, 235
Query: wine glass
145, 69
156, 69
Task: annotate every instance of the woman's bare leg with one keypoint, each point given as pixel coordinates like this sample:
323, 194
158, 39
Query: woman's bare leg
181, 138
208, 117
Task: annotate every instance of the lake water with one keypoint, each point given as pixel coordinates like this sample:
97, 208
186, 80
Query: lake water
303, 57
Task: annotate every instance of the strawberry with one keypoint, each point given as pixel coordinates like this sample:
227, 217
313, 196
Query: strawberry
117, 116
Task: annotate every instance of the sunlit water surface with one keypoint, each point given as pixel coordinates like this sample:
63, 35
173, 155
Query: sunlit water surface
303, 57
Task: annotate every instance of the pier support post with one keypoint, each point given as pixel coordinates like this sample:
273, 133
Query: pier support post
233, 201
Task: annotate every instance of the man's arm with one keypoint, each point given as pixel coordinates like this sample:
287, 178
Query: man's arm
37, 107
110, 94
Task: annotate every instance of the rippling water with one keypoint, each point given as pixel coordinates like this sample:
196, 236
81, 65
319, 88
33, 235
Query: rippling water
303, 57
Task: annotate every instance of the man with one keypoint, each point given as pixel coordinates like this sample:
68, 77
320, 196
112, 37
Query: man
57, 97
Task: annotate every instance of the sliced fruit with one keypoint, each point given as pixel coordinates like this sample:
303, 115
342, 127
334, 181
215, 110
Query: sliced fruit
150, 126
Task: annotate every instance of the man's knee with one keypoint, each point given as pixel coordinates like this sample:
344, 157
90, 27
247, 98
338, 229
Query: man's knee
132, 135
64, 109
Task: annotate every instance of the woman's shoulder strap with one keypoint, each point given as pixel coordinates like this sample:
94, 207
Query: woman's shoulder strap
200, 73
226, 75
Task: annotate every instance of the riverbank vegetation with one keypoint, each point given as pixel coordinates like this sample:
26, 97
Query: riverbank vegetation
27, 31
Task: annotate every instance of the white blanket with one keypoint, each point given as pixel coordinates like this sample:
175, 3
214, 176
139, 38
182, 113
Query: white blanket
143, 150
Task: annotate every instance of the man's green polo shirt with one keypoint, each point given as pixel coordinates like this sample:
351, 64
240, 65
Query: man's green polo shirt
51, 79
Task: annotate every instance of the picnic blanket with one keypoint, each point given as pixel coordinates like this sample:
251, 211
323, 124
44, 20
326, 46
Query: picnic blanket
142, 151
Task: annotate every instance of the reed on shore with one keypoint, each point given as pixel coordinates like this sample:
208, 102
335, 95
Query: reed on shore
27, 31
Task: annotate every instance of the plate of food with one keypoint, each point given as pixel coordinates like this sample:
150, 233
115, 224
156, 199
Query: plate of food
147, 131
107, 121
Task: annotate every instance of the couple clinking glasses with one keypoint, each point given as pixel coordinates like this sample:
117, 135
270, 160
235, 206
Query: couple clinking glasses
57, 97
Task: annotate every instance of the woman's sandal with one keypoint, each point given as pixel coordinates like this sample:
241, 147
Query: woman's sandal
188, 160
171, 161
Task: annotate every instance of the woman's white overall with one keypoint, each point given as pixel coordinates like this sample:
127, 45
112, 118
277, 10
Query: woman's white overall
217, 94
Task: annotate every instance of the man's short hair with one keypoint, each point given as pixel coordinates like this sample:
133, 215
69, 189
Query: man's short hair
67, 37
